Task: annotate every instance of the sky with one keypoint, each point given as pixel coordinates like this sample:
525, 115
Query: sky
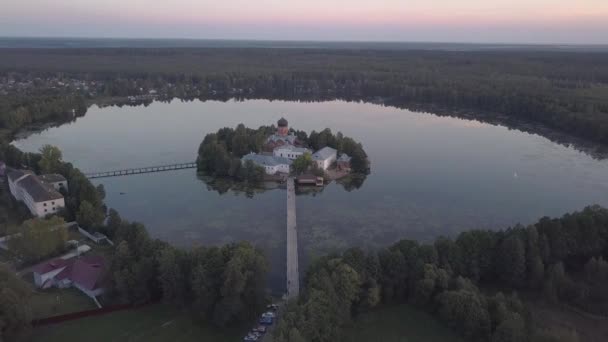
479, 21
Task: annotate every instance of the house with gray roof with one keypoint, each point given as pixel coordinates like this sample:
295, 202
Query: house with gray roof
56, 180
271, 164
41, 198
343, 162
325, 157
290, 151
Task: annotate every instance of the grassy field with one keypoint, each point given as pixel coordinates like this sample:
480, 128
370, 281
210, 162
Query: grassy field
53, 302
149, 324
399, 324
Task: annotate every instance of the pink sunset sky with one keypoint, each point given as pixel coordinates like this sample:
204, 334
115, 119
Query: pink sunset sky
509, 21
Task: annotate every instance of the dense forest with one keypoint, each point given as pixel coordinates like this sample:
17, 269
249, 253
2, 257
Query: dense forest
566, 91
450, 278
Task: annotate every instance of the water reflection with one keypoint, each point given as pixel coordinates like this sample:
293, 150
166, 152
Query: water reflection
430, 175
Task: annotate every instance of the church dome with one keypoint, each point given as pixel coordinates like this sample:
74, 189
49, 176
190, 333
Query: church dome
282, 122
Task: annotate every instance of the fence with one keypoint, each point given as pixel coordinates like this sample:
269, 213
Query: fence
87, 313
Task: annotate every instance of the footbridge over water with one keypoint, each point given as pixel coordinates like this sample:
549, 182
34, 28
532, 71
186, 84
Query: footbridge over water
140, 170
293, 275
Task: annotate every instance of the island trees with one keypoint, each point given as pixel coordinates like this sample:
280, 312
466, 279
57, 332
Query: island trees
302, 163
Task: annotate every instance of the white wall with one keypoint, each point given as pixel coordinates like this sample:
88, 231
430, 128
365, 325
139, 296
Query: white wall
41, 209
326, 163
287, 153
39, 279
271, 170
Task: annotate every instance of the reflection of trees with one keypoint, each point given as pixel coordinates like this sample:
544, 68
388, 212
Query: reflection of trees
352, 182
227, 185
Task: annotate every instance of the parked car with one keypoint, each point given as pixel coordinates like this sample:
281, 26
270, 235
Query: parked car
250, 337
265, 320
269, 314
260, 329
273, 307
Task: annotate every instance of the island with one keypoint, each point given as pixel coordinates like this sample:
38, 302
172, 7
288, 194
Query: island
273, 153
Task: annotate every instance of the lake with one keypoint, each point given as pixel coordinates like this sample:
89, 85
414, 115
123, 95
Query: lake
430, 175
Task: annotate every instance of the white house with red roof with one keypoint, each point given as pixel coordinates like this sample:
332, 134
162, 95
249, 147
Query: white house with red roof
86, 273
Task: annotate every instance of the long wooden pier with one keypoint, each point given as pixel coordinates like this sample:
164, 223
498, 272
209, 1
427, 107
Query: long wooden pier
293, 275
139, 170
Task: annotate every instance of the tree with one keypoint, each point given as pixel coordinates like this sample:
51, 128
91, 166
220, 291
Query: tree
88, 217
51, 161
512, 260
302, 163
15, 312
171, 276
39, 239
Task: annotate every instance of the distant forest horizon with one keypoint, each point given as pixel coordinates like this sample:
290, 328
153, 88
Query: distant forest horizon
135, 42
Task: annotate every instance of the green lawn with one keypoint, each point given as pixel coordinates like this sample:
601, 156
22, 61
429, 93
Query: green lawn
53, 302
152, 323
399, 324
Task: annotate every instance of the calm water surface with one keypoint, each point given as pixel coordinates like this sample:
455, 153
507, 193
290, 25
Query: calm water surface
430, 175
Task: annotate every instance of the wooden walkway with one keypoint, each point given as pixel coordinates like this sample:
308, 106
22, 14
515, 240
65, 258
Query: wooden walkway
293, 275
139, 170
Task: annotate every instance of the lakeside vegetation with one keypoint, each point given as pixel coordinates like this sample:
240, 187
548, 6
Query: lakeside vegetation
448, 278
566, 91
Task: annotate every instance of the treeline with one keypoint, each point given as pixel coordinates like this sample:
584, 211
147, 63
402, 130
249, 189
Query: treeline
562, 90
19, 110
224, 285
444, 278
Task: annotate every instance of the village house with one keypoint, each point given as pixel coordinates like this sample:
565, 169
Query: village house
325, 157
41, 198
56, 180
86, 273
271, 164
343, 163
290, 151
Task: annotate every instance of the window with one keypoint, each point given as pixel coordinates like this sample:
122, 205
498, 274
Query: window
53, 208
53, 203
45, 210
45, 204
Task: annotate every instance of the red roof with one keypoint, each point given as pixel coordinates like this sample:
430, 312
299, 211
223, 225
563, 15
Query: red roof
48, 266
88, 271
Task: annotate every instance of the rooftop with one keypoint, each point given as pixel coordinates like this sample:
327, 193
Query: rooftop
292, 148
86, 271
324, 153
344, 158
51, 265
289, 138
52, 178
16, 174
39, 191
266, 160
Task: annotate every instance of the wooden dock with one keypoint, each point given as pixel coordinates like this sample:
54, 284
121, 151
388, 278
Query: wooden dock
293, 275
139, 170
